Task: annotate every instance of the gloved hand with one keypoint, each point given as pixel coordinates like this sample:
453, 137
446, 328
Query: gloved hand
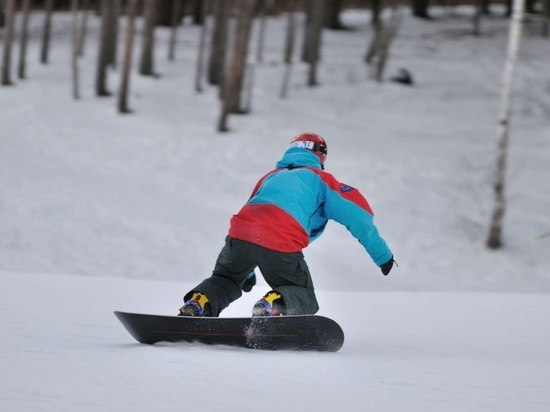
386, 267
249, 283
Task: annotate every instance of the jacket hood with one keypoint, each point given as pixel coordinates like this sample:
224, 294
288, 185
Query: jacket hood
299, 157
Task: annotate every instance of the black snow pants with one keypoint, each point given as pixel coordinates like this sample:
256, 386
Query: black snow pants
286, 273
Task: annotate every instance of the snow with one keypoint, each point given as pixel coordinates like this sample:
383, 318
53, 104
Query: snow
101, 212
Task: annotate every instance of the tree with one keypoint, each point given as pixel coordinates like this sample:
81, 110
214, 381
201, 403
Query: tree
105, 48
420, 8
290, 40
45, 49
127, 63
311, 53
235, 72
9, 12
74, 54
202, 45
25, 10
494, 239
332, 15
216, 62
174, 23
146, 65
83, 27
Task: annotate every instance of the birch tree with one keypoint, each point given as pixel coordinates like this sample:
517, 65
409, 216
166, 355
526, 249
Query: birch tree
127, 63
202, 45
22, 67
74, 52
9, 11
494, 239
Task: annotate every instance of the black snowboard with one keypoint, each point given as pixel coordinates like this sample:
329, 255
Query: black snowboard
308, 332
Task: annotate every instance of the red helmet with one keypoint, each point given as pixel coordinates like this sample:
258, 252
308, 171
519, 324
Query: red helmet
313, 142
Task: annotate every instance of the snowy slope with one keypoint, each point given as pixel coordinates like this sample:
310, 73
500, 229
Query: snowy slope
62, 349
140, 205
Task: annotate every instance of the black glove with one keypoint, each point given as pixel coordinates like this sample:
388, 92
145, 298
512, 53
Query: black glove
386, 267
249, 283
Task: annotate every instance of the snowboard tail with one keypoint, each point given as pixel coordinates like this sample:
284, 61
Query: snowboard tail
307, 332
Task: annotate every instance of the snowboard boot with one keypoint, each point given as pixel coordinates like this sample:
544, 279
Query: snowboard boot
198, 305
272, 304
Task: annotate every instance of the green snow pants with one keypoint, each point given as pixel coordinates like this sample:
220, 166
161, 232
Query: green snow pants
286, 273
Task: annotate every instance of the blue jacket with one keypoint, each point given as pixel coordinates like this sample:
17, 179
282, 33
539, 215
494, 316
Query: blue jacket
291, 205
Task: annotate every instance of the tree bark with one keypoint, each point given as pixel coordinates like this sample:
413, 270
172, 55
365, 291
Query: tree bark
202, 45
127, 63
9, 10
332, 15
494, 239
235, 73
146, 65
290, 42
216, 64
175, 20
45, 49
312, 42
104, 48
74, 52
22, 68
420, 8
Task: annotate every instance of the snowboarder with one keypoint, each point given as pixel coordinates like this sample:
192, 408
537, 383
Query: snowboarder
288, 209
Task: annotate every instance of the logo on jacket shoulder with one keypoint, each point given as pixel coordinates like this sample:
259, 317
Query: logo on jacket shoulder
346, 188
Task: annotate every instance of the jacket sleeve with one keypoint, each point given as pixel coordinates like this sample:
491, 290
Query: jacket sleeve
347, 206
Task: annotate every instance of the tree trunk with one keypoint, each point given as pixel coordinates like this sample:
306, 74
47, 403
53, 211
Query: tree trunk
420, 8
45, 49
264, 6
494, 239
146, 65
9, 10
22, 68
315, 10
127, 63
290, 42
202, 45
83, 27
235, 73
332, 15
174, 23
104, 47
378, 55
74, 52
216, 64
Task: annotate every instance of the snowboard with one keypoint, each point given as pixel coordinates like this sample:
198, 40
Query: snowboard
304, 333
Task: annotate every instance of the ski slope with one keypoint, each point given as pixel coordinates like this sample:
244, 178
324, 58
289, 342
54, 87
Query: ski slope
63, 349
100, 212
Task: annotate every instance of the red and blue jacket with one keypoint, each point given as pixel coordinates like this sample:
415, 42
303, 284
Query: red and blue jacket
291, 205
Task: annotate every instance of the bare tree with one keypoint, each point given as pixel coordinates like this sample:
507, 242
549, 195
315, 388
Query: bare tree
332, 15
83, 27
127, 63
290, 41
174, 23
146, 65
45, 49
311, 54
235, 72
74, 38
494, 239
264, 6
216, 62
25, 10
202, 45
378, 53
9, 11
106, 39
